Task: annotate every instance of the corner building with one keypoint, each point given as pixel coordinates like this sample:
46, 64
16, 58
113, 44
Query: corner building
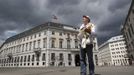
49, 44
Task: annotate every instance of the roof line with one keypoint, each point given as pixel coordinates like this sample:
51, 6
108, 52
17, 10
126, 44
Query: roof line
35, 29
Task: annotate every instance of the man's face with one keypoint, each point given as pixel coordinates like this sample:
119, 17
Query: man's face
85, 20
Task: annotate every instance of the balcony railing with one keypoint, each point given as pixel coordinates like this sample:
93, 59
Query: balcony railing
37, 51
10, 56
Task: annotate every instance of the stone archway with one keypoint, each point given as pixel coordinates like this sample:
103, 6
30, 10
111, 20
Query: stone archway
77, 60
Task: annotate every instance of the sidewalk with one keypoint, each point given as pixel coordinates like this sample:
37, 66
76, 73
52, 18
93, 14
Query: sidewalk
120, 70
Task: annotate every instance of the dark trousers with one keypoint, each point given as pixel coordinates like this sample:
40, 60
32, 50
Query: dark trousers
89, 52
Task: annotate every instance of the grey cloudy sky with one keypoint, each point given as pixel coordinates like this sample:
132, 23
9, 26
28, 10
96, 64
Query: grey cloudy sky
19, 15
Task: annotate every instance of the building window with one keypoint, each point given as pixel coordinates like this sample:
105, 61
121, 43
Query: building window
19, 48
25, 58
27, 38
23, 47
18, 59
23, 40
60, 33
31, 37
52, 56
44, 43
133, 43
75, 36
76, 44
30, 45
126, 36
11, 60
117, 48
68, 44
43, 57
39, 34
116, 44
26, 46
129, 31
68, 35
14, 59
129, 19
32, 57
53, 43
34, 44
96, 58
21, 60
38, 43
37, 59
16, 49
60, 43
53, 33
69, 57
132, 28
35, 36
28, 58
133, 11
43, 63
44, 32
112, 45
61, 56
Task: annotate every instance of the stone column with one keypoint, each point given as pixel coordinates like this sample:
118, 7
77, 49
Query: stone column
47, 48
73, 59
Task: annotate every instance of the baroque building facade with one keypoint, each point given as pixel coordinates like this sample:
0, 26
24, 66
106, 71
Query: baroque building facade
49, 44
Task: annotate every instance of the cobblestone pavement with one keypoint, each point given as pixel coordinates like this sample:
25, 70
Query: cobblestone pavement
124, 70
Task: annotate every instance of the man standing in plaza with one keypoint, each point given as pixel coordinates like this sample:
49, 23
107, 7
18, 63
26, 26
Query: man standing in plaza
86, 46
